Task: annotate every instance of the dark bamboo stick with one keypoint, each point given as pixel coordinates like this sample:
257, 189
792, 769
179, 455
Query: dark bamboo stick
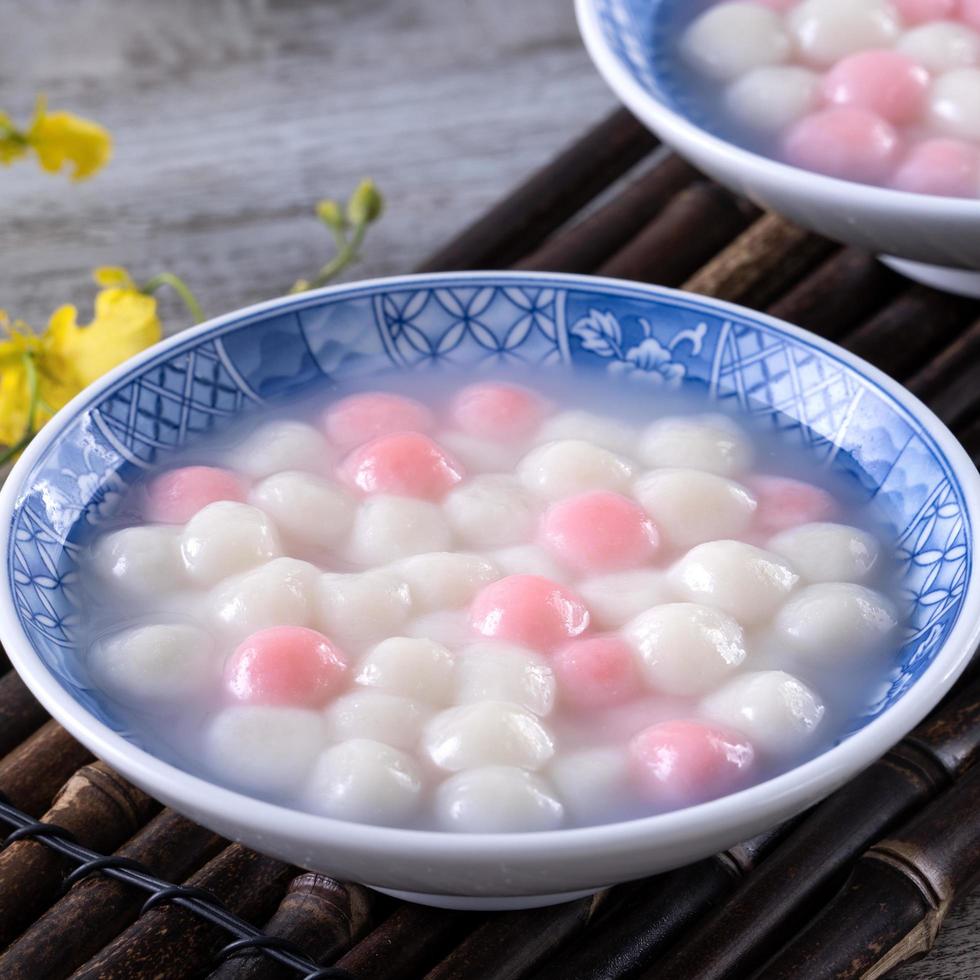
801, 873
413, 937
523, 219
687, 233
896, 898
588, 243
509, 945
655, 913
764, 260
949, 381
33, 772
20, 712
171, 943
903, 335
99, 908
100, 809
321, 916
842, 292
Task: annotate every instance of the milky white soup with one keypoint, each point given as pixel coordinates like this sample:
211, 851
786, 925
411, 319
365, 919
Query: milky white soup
878, 91
489, 608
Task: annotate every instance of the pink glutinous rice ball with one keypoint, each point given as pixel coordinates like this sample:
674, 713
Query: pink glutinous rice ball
176, 496
784, 503
684, 762
600, 531
407, 464
285, 665
970, 13
886, 83
844, 141
780, 6
499, 412
922, 11
529, 610
940, 166
358, 418
596, 672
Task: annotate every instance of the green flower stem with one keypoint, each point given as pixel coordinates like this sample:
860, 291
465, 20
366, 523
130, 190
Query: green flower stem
180, 288
346, 253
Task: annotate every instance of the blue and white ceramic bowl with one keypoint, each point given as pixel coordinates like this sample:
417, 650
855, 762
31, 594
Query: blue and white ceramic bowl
808, 391
935, 240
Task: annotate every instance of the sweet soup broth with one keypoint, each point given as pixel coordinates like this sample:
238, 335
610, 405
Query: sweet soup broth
492, 606
878, 91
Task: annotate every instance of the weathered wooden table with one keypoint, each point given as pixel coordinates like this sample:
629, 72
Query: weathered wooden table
231, 117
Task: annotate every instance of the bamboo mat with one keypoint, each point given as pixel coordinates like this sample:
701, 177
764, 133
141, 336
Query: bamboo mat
853, 888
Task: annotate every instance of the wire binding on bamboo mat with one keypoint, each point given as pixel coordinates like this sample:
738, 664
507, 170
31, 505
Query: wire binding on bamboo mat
196, 900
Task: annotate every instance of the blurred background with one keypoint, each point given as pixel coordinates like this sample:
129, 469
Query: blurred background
232, 117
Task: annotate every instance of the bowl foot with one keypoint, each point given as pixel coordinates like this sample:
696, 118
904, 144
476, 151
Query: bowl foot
963, 282
473, 903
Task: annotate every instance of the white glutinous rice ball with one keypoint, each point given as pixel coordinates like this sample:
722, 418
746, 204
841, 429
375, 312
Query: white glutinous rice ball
269, 749
307, 508
528, 559
365, 781
225, 538
162, 664
825, 31
954, 103
684, 648
141, 561
279, 593
828, 552
487, 733
378, 715
713, 443
769, 99
728, 40
282, 445
600, 430
570, 466
614, 599
480, 455
497, 799
416, 668
593, 784
389, 528
361, 608
834, 621
941, 46
491, 511
776, 711
492, 671
444, 579
450, 627
690, 507
744, 581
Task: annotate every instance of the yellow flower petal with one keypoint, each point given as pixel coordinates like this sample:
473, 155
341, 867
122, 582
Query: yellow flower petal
125, 323
112, 275
14, 397
61, 138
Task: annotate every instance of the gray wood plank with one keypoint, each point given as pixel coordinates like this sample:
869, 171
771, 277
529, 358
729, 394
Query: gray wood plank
233, 116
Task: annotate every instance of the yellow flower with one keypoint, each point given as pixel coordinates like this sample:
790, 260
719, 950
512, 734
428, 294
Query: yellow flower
62, 137
68, 356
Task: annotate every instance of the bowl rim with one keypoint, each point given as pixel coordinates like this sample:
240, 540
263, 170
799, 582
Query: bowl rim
662, 118
792, 789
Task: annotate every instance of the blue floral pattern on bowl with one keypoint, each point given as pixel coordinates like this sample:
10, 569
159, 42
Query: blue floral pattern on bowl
646, 336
